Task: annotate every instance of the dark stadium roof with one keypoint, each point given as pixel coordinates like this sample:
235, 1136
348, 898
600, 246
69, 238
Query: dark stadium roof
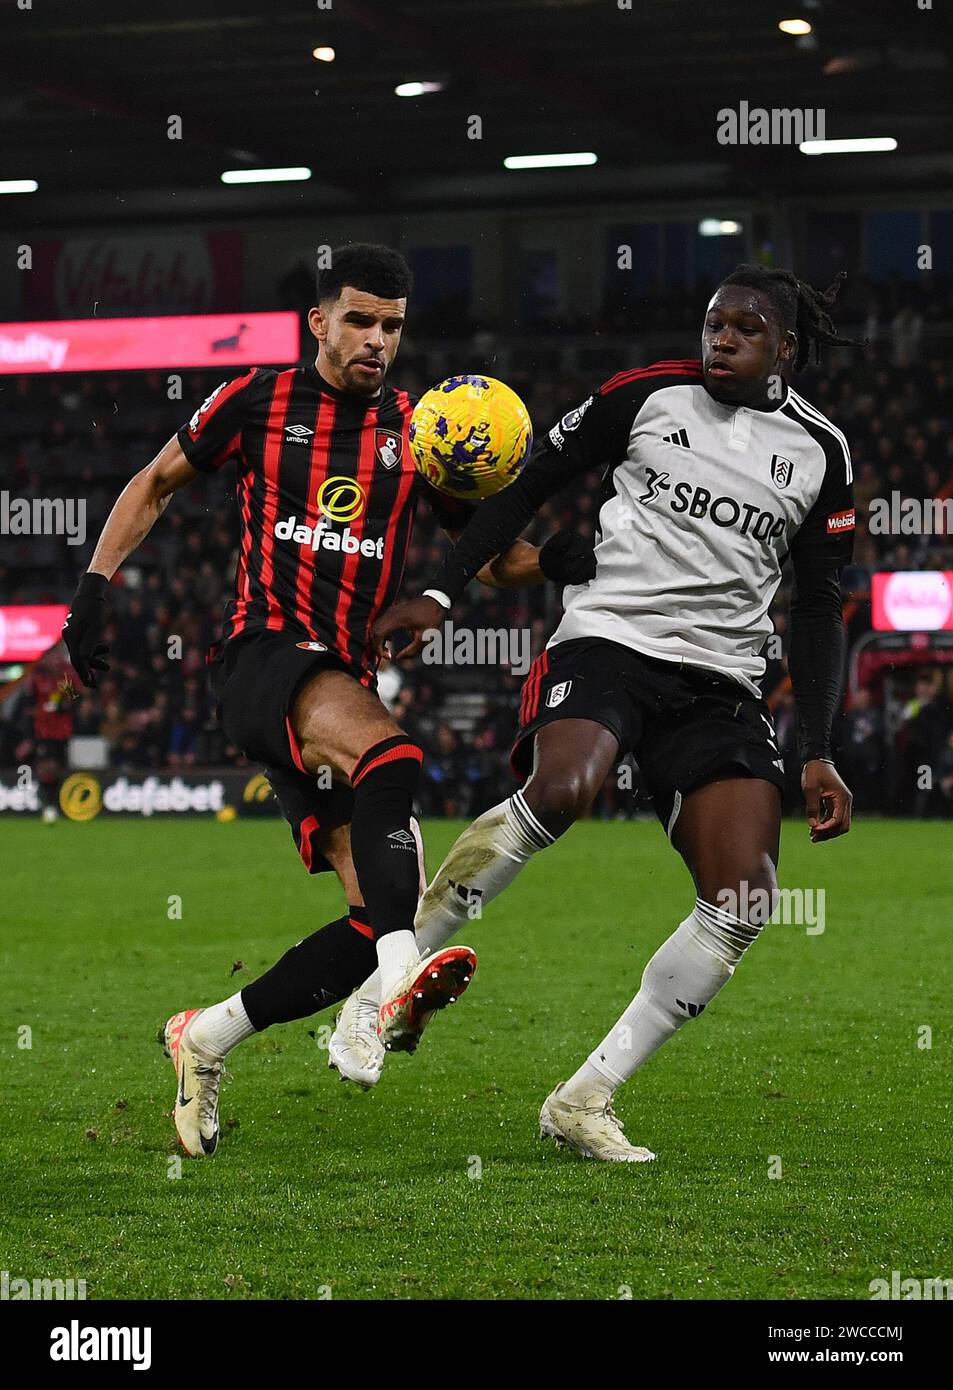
88, 89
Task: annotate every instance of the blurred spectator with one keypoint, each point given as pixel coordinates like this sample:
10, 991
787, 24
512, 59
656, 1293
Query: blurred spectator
52, 721
921, 741
442, 792
945, 773
862, 751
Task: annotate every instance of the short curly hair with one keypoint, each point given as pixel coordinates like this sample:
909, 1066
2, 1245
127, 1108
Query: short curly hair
366, 266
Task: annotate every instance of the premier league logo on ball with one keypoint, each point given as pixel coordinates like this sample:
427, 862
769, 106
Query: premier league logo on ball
571, 421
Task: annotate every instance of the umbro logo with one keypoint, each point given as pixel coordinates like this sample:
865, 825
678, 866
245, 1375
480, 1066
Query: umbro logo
298, 434
679, 437
403, 839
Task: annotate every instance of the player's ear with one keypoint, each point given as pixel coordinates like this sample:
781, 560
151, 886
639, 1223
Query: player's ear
318, 323
788, 347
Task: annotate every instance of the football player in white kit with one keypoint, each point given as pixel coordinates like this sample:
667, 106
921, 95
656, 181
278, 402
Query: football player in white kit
715, 471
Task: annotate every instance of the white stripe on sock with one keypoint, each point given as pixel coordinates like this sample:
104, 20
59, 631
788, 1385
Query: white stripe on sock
529, 821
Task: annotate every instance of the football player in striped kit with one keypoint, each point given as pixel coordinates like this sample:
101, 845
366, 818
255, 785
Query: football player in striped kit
327, 491
716, 470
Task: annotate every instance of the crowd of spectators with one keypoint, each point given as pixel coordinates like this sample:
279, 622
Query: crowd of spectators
83, 438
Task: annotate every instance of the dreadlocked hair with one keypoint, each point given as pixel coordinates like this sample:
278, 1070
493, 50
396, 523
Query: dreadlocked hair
799, 306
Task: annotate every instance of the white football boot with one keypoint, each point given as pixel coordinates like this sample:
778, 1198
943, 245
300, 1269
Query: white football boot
197, 1085
592, 1129
355, 1050
430, 984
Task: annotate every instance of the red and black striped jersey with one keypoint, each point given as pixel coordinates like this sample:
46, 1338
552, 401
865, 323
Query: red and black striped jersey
327, 492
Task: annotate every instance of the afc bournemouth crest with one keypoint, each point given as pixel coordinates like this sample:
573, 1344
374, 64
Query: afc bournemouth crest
781, 470
558, 694
390, 446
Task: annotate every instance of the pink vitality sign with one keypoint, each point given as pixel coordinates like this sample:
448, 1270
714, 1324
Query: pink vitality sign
912, 600
125, 345
29, 630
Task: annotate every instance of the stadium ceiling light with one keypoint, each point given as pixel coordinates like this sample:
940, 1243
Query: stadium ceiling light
323, 54
18, 185
795, 26
719, 226
549, 161
417, 89
294, 175
869, 145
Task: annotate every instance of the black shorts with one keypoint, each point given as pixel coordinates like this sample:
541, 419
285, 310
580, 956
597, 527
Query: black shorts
310, 807
254, 679
682, 724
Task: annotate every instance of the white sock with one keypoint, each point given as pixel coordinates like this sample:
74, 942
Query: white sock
684, 975
220, 1028
396, 953
483, 861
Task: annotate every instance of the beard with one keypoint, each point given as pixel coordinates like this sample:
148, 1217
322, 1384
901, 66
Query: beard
355, 379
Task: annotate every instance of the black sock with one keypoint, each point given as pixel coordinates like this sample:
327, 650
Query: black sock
383, 846
319, 971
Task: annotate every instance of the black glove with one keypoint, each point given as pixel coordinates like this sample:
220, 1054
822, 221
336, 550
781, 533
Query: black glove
84, 628
567, 559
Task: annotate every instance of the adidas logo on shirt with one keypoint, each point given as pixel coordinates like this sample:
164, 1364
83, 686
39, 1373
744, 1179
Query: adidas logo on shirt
680, 437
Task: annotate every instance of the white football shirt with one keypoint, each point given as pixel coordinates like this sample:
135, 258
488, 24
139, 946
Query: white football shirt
700, 505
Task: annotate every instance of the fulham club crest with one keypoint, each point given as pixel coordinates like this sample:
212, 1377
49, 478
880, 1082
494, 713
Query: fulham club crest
781, 470
390, 446
558, 694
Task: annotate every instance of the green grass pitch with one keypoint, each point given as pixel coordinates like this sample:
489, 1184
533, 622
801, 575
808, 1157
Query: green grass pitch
435, 1184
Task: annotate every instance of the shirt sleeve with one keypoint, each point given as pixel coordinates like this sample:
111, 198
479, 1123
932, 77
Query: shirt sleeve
828, 528
822, 546
450, 513
213, 435
591, 435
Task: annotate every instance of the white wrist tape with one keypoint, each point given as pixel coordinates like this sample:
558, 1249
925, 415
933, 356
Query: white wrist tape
439, 597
